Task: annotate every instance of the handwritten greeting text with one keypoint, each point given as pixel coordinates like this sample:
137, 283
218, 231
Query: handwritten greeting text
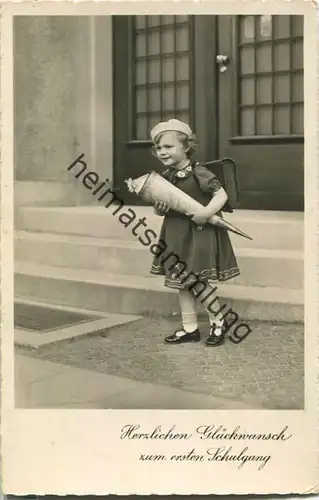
220, 453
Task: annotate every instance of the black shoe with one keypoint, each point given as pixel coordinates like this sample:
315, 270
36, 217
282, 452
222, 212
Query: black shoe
214, 340
187, 337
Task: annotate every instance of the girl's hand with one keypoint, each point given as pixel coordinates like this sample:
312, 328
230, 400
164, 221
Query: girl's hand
199, 217
161, 207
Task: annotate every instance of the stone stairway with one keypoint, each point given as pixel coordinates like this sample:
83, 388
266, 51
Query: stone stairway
84, 257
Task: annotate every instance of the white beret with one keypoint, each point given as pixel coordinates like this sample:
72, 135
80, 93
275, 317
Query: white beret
171, 126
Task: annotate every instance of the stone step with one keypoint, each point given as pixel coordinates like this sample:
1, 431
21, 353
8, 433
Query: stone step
101, 291
259, 267
274, 230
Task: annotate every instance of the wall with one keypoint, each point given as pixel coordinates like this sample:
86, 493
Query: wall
63, 97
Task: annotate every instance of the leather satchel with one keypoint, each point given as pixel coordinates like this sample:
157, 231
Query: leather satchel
225, 172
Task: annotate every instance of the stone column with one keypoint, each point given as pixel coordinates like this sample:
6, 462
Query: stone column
63, 104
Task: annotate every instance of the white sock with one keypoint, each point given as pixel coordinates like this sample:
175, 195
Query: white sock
219, 321
214, 315
180, 333
189, 322
188, 309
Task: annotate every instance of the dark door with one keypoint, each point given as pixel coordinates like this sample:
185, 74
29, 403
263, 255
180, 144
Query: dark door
250, 110
260, 107
153, 81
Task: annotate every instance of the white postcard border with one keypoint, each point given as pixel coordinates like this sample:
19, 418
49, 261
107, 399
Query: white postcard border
80, 451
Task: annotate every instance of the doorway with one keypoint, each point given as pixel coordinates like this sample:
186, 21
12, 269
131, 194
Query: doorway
260, 107
246, 104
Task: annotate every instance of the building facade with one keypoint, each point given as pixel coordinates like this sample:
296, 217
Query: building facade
96, 85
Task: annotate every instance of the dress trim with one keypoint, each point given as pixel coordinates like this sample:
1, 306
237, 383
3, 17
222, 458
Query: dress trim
206, 274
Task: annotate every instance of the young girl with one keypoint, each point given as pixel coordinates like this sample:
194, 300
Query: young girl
206, 249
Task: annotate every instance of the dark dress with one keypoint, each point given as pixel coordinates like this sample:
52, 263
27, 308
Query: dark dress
206, 253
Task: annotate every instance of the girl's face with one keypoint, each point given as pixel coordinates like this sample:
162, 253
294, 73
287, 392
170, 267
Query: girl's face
170, 151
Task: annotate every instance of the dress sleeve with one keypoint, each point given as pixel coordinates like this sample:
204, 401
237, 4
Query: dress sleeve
207, 180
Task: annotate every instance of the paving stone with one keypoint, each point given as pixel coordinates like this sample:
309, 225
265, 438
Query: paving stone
29, 372
165, 398
266, 368
57, 385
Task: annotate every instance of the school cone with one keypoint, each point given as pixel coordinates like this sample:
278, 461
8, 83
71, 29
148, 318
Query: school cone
216, 220
153, 187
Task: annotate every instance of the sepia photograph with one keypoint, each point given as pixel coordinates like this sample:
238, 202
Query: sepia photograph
159, 211
159, 227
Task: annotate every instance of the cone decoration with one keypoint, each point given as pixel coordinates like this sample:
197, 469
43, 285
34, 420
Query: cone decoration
153, 187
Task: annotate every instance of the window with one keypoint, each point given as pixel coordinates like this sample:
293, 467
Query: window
161, 74
270, 75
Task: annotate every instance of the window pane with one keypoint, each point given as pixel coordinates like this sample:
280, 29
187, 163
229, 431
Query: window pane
247, 122
264, 58
182, 97
297, 25
281, 27
154, 73
282, 120
181, 19
140, 100
282, 88
247, 91
297, 87
153, 20
154, 99
282, 56
167, 20
247, 28
264, 89
247, 60
168, 41
159, 73
271, 57
141, 127
140, 72
298, 119
264, 121
297, 55
140, 22
182, 68
182, 115
182, 38
140, 45
265, 26
152, 121
168, 115
168, 98
168, 70
153, 43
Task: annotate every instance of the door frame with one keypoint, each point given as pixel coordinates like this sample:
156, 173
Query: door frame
204, 91
205, 85
263, 163
270, 168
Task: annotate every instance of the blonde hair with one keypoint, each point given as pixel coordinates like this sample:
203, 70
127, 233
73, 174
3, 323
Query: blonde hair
189, 143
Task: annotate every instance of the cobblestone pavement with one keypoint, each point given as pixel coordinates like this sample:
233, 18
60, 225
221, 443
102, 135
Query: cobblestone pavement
265, 369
